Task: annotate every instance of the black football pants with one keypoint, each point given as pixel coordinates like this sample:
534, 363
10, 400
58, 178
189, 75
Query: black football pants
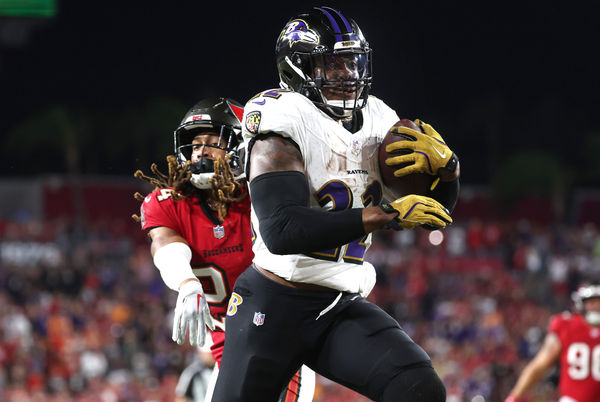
355, 343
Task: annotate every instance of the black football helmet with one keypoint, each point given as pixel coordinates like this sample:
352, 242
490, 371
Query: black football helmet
221, 116
587, 290
324, 50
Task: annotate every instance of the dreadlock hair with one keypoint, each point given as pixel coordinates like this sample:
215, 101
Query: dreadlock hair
225, 188
178, 178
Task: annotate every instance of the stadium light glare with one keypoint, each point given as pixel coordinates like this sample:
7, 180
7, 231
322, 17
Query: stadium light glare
436, 237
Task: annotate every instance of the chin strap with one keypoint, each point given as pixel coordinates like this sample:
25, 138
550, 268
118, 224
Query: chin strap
593, 317
338, 108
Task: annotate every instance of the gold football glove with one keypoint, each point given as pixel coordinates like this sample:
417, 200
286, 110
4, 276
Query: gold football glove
429, 152
415, 210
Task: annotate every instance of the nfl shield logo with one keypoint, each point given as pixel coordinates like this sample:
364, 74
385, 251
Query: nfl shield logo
356, 146
219, 231
259, 319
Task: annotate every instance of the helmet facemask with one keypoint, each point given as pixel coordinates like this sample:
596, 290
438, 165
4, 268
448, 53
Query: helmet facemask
338, 82
203, 168
341, 79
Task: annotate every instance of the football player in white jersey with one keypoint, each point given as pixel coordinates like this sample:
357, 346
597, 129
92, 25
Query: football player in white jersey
316, 196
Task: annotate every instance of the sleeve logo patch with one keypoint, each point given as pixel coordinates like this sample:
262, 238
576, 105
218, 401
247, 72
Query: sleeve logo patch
234, 302
253, 122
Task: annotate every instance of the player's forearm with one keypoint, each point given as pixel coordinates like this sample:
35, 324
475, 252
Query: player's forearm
374, 218
172, 256
531, 375
289, 226
535, 370
173, 262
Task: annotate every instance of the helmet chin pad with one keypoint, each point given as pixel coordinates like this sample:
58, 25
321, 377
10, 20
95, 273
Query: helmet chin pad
202, 180
593, 317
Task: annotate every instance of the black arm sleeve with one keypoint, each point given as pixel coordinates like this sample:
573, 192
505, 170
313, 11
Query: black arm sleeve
289, 226
446, 193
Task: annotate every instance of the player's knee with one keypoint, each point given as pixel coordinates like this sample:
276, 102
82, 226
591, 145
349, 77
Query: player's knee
419, 384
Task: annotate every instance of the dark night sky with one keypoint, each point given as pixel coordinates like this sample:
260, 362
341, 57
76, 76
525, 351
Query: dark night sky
490, 76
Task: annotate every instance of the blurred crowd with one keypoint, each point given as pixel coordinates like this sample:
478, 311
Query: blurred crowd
84, 315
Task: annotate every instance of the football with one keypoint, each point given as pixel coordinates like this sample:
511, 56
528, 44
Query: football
416, 183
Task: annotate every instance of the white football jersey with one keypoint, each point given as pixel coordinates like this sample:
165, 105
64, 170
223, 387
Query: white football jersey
342, 171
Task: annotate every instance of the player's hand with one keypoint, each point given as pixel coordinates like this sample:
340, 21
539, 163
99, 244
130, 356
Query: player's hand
414, 210
191, 312
429, 152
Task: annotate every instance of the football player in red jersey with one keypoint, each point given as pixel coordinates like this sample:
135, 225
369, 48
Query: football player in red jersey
198, 218
574, 341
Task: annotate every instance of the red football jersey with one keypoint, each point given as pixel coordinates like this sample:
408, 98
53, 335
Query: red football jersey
220, 251
579, 357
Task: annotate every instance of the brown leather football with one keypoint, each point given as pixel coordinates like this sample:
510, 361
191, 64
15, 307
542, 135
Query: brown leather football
416, 183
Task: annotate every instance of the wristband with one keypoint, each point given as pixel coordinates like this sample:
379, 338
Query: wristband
173, 262
189, 287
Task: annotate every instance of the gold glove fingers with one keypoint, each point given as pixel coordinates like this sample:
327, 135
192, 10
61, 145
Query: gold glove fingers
414, 210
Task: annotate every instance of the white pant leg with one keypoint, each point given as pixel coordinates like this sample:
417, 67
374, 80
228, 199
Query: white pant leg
211, 384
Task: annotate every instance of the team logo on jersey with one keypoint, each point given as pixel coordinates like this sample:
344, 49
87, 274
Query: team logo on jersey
234, 302
253, 122
298, 31
259, 319
219, 231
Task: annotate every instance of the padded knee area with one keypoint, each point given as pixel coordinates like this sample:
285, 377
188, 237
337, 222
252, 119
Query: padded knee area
418, 384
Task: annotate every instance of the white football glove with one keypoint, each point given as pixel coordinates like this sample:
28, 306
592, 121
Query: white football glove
191, 311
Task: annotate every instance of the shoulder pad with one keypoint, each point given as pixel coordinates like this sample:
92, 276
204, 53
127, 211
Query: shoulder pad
157, 209
279, 111
558, 321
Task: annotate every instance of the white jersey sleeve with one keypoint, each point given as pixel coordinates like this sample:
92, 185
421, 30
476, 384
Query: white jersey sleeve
277, 111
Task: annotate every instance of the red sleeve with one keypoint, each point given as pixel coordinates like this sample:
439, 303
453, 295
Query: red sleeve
158, 209
558, 322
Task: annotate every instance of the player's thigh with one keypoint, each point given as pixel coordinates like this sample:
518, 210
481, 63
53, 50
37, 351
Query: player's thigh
250, 369
259, 358
365, 348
